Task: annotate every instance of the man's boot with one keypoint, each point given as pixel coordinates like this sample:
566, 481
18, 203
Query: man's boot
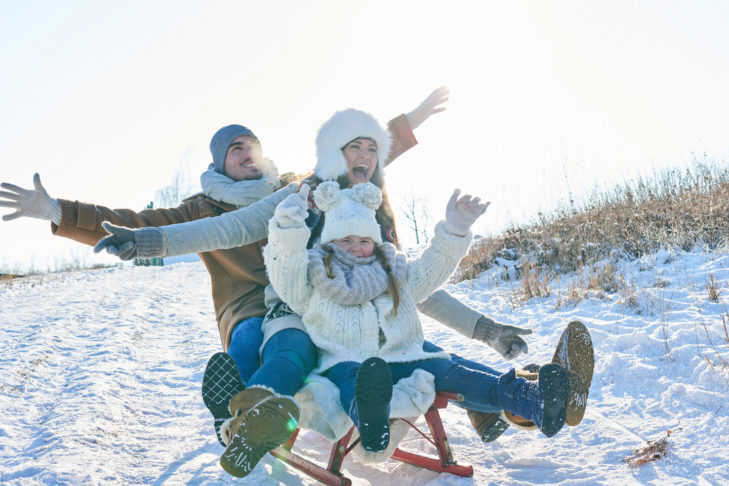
220, 383
575, 354
262, 420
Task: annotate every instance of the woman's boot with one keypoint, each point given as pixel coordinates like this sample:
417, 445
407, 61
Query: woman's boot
262, 420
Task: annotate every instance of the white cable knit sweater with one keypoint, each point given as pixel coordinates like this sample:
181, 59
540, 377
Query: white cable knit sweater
351, 333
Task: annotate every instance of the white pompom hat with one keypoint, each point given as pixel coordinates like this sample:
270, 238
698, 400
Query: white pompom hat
343, 127
349, 211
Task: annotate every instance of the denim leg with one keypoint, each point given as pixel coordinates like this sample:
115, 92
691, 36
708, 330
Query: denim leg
478, 387
344, 375
245, 342
287, 359
473, 365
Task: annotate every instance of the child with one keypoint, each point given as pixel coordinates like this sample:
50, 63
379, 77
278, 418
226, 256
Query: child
357, 296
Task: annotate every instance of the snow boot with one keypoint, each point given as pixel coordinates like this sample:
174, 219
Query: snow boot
575, 354
265, 426
543, 402
220, 383
490, 425
372, 394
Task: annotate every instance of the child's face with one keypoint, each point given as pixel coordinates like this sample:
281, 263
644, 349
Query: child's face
358, 246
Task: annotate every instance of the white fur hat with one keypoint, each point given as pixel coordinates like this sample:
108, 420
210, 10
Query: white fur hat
349, 211
343, 127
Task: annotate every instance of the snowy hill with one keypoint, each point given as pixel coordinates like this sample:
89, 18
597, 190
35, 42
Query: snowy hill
101, 373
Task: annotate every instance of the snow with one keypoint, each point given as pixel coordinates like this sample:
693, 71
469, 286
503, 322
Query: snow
101, 373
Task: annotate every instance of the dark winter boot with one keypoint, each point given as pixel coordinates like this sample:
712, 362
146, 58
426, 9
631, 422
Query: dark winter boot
220, 383
489, 426
265, 426
372, 394
543, 402
575, 354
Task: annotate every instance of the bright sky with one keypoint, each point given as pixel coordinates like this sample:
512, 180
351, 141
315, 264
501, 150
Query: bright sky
106, 99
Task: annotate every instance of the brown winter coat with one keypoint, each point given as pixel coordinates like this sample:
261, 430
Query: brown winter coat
238, 275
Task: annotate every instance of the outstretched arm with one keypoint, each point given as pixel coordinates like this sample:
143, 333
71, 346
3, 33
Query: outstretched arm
446, 309
236, 228
450, 243
402, 127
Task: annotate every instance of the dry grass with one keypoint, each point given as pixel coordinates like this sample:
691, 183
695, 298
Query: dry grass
713, 289
674, 209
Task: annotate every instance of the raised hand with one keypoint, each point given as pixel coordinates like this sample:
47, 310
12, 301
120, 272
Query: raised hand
430, 106
33, 203
462, 212
292, 211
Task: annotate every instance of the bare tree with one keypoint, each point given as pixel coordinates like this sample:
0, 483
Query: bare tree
180, 187
416, 212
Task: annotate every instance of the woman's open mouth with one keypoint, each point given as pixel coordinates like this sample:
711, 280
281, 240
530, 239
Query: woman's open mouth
361, 172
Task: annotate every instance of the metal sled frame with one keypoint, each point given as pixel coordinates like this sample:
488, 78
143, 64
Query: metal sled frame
332, 476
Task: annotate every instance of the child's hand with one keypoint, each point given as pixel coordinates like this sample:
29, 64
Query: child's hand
292, 211
462, 212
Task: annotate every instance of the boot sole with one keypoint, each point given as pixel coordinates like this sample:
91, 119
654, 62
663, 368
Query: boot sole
554, 384
266, 426
576, 355
220, 383
372, 394
490, 426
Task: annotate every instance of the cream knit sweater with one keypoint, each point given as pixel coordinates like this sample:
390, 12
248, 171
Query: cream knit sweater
351, 333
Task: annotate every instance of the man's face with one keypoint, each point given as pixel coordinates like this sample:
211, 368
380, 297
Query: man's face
243, 160
361, 155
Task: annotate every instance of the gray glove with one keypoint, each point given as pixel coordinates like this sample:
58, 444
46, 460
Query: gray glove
28, 202
462, 212
503, 338
128, 243
430, 106
292, 211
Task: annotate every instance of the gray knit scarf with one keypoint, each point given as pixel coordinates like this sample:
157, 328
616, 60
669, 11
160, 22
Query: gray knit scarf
241, 193
356, 280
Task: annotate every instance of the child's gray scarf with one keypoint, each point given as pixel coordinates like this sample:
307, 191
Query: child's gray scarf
241, 193
356, 280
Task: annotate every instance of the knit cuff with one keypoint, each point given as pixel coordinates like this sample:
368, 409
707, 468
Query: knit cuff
486, 330
150, 242
53, 211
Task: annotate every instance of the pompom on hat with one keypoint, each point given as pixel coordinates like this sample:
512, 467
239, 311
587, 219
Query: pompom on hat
343, 127
221, 141
349, 211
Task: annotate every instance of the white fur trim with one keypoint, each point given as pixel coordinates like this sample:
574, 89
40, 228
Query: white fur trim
343, 127
398, 431
225, 430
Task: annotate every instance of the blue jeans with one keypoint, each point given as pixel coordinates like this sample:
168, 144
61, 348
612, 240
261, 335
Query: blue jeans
287, 359
245, 342
478, 387
473, 365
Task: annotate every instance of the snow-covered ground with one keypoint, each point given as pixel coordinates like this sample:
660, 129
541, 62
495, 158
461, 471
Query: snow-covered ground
100, 376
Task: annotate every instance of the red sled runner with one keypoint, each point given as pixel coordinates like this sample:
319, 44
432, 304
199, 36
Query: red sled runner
332, 476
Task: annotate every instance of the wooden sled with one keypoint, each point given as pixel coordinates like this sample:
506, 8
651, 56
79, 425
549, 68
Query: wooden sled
332, 476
